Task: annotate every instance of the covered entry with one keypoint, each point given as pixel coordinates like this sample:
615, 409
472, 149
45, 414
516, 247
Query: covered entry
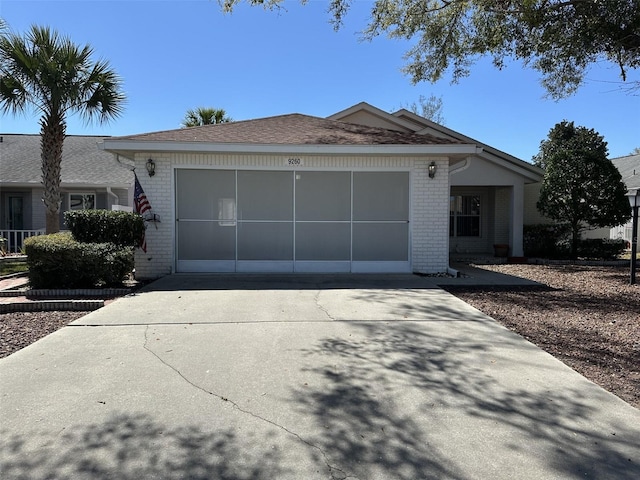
291, 221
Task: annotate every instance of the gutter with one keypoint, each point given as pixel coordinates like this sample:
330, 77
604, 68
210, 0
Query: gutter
117, 199
128, 147
463, 167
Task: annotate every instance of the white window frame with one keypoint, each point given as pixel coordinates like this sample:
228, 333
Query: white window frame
455, 216
83, 194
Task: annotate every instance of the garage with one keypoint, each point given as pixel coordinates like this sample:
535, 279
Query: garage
231, 220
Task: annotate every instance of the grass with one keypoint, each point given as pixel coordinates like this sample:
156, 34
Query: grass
9, 267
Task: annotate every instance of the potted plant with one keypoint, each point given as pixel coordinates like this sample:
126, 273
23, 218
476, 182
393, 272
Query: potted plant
501, 250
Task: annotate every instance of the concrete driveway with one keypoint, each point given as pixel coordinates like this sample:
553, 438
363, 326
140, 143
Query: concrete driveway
303, 377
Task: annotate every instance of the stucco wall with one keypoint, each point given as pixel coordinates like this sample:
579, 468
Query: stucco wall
531, 214
429, 204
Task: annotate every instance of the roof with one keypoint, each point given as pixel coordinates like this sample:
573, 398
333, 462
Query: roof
83, 163
629, 168
292, 129
408, 121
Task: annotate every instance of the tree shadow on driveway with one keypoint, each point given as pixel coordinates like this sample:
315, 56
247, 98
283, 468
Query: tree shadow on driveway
397, 401
134, 447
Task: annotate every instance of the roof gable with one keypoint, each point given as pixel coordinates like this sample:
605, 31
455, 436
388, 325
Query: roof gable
292, 129
423, 126
629, 168
365, 114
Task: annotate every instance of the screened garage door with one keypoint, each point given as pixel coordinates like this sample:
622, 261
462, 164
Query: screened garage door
291, 221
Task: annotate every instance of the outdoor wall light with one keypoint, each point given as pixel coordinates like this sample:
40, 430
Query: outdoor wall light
151, 167
432, 169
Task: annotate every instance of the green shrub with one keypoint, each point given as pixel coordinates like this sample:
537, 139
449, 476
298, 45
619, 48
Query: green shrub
59, 261
105, 226
600, 248
546, 241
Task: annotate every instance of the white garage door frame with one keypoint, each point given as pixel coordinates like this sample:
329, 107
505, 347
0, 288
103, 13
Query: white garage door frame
349, 265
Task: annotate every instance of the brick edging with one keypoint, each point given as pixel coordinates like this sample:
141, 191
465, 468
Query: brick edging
65, 292
52, 305
76, 292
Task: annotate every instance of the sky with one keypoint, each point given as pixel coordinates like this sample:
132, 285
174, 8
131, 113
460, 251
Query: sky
177, 55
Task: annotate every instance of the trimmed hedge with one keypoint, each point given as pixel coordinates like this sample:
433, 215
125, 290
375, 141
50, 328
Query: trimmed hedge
101, 226
553, 242
546, 241
59, 261
600, 248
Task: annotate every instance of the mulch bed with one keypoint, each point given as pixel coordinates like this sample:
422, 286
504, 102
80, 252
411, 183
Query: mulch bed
20, 329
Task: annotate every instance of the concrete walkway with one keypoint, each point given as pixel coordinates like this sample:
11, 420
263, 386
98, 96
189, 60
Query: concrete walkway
303, 377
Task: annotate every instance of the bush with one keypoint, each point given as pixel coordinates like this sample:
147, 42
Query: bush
105, 226
601, 248
546, 241
59, 261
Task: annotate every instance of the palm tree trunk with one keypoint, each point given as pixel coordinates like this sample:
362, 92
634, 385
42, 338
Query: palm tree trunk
52, 134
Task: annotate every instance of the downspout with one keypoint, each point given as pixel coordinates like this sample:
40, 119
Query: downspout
466, 164
109, 192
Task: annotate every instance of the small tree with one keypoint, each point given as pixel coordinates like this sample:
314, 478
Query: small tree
430, 108
581, 187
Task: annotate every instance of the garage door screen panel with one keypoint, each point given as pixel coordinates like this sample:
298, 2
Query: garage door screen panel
325, 241
275, 220
265, 241
265, 196
205, 205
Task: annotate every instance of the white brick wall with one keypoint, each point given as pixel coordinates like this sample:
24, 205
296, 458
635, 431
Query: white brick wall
430, 217
429, 223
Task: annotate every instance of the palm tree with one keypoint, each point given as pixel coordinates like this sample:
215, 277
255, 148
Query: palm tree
205, 116
48, 73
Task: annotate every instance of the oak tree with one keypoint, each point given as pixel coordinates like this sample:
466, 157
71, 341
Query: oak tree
558, 38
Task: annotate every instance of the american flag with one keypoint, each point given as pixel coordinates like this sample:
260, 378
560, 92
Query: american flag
142, 206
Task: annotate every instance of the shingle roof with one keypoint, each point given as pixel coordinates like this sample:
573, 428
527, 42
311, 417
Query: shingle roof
292, 129
83, 163
629, 168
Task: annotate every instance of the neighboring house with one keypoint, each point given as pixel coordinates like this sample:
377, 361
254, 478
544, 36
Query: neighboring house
629, 168
91, 178
361, 191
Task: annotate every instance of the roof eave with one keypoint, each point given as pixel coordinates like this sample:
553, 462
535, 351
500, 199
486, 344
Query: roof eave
128, 148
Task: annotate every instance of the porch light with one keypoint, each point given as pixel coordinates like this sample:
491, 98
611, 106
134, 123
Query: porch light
151, 167
634, 201
432, 169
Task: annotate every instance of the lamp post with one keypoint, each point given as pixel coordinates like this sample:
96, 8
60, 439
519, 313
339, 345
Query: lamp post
634, 201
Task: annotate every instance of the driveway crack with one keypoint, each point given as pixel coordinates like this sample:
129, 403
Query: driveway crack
316, 298
334, 472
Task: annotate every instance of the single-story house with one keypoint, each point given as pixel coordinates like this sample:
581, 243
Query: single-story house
363, 190
91, 178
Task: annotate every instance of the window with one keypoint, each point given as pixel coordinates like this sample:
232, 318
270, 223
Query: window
464, 216
82, 201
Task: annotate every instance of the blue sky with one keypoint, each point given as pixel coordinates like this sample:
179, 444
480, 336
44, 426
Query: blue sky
175, 55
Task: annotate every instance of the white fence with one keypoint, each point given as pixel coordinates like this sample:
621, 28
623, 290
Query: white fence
15, 238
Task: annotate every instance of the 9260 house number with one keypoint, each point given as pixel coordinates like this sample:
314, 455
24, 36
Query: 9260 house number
294, 162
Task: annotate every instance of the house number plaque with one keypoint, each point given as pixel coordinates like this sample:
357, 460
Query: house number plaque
294, 162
